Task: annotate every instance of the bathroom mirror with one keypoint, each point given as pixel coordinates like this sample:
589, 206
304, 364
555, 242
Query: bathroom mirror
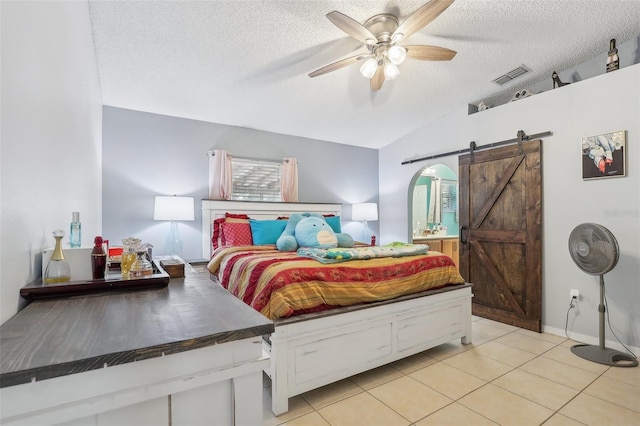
433, 202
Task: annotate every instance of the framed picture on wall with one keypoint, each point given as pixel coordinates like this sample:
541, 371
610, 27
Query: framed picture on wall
604, 155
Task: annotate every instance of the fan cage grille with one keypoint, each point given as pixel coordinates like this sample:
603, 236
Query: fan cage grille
593, 248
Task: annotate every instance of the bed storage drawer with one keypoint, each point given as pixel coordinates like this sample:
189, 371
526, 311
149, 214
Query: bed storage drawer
312, 353
419, 331
347, 351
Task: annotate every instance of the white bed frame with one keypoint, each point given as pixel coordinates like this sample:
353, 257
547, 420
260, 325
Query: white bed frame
313, 350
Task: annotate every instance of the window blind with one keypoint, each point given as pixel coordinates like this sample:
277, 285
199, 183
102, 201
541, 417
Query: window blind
256, 180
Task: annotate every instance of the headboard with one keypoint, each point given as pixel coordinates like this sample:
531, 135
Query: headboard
213, 209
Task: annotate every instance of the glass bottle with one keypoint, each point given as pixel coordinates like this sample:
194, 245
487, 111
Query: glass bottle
141, 266
75, 236
613, 61
128, 255
58, 270
98, 259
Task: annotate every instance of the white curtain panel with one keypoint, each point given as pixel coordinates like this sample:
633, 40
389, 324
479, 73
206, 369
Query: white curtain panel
220, 176
289, 180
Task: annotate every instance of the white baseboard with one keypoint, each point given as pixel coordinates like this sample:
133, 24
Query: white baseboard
591, 340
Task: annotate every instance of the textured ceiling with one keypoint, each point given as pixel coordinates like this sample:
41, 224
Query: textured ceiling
246, 62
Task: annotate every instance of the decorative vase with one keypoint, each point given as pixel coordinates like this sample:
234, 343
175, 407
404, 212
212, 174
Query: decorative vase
128, 255
141, 267
58, 270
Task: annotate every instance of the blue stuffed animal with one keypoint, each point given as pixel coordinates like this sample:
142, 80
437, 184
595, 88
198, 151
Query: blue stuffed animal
310, 230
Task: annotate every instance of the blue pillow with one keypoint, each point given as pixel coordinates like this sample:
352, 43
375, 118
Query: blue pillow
266, 231
334, 223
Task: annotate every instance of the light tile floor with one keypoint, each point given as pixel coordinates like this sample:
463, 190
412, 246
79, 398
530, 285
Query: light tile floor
508, 376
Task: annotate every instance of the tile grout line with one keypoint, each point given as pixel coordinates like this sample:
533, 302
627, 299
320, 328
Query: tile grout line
536, 356
575, 396
338, 400
541, 355
501, 375
516, 368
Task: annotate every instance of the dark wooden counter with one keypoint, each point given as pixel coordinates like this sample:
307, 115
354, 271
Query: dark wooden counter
56, 337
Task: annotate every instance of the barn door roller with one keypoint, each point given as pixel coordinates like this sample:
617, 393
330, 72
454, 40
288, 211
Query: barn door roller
520, 137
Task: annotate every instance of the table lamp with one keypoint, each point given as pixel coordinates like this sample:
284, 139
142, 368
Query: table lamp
173, 208
365, 212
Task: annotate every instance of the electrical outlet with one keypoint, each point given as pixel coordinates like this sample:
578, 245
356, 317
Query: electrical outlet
574, 293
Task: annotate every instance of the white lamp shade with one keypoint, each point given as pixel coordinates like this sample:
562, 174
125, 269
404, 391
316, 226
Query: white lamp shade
173, 208
364, 211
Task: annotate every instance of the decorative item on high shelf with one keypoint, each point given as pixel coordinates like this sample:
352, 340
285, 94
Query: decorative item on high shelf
613, 61
556, 80
482, 106
521, 94
604, 155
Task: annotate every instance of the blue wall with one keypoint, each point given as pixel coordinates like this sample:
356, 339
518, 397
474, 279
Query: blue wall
145, 155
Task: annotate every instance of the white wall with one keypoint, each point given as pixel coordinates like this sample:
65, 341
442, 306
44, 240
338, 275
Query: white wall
51, 136
602, 104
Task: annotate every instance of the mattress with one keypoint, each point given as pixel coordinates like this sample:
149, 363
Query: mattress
284, 284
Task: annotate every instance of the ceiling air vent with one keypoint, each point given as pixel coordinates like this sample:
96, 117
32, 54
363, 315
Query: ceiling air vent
515, 73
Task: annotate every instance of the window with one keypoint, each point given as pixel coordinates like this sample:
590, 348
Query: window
256, 180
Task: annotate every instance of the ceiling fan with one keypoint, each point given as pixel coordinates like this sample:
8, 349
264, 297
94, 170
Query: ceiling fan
381, 34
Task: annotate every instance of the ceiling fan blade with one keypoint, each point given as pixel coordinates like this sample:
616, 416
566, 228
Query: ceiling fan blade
421, 17
352, 28
430, 53
338, 64
377, 79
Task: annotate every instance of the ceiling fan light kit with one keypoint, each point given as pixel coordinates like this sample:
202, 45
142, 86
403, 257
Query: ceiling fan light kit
380, 35
391, 71
397, 54
368, 69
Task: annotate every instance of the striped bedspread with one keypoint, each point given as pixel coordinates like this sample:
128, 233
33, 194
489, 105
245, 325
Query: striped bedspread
283, 284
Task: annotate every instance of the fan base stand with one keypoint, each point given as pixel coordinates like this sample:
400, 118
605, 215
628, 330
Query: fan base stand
605, 356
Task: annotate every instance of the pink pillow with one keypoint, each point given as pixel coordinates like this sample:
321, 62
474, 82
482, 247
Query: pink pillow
216, 239
236, 234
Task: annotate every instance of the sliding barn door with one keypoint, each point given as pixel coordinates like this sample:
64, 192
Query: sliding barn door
501, 232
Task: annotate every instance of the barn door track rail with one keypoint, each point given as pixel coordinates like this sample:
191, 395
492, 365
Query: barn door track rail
521, 137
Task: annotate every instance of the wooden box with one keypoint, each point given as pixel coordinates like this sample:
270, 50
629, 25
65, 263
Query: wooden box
173, 267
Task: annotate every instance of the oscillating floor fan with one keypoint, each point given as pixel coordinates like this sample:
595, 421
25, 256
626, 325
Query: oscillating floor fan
595, 250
